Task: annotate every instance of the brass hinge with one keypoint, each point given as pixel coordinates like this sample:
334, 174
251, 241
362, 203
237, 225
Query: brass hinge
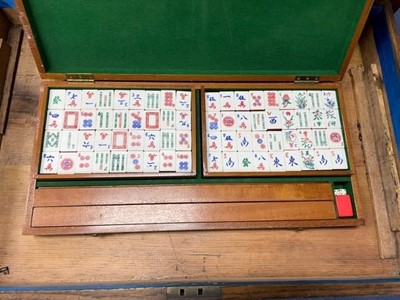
80, 77
306, 79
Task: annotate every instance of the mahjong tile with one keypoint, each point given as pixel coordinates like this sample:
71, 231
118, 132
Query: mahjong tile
152, 100
73, 99
69, 140
87, 119
168, 119
243, 121
213, 121
183, 100
212, 101
323, 159
286, 100
56, 99
260, 142
168, 99
71, 120
258, 120
275, 140
318, 118
214, 141
335, 138
86, 140
315, 97
307, 160
84, 162
293, 160
105, 100
54, 119
119, 140
332, 118
51, 141
151, 140
118, 161
228, 120
242, 100
303, 119
320, 137
152, 120
183, 140
90, 99
230, 162
134, 161
183, 161
183, 120
137, 99
227, 100
274, 119
214, 162
246, 162
272, 100
67, 163
339, 159
121, 119
136, 140
290, 139
289, 120
151, 161
136, 119
168, 140
101, 162
306, 139
121, 99
261, 161
276, 161
49, 163
244, 141
103, 140
167, 160
228, 141
301, 100
329, 99
257, 100
105, 119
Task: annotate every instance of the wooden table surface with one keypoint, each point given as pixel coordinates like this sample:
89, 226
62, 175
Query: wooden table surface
173, 256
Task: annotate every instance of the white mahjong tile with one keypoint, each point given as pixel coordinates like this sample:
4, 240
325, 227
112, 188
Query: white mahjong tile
121, 99
56, 99
119, 140
274, 119
228, 141
183, 161
329, 99
213, 121
315, 97
168, 119
118, 161
332, 118
301, 100
244, 141
69, 140
307, 160
214, 141
73, 99
151, 161
152, 120
260, 142
212, 101
134, 162
320, 138
306, 140
101, 162
227, 100
136, 119
168, 99
84, 163
183, 140
258, 120
137, 99
67, 163
152, 100
90, 99
261, 161
242, 100
168, 140
106, 99
276, 160
87, 119
323, 159
54, 119
289, 120
286, 100
228, 120
243, 121
214, 162
230, 162
121, 119
103, 140
105, 119
49, 162
275, 140
318, 118
246, 161
184, 100
51, 141
136, 140
272, 100
303, 119
167, 160
292, 160
86, 140
339, 159
290, 139
257, 100
151, 140
71, 120
335, 138
183, 120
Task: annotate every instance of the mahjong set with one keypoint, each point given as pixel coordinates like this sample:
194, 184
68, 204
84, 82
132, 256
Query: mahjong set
191, 115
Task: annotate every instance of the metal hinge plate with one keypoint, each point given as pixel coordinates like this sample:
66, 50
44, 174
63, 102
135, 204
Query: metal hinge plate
194, 292
81, 77
306, 79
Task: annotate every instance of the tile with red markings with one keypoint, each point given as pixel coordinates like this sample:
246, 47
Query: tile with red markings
303, 119
308, 160
260, 142
121, 99
320, 138
318, 118
136, 119
230, 162
119, 140
73, 99
257, 100
301, 100
213, 121
49, 162
289, 120
290, 139
167, 160
121, 119
329, 99
71, 120
228, 141
212, 101
261, 160
118, 160
168, 119
183, 140
286, 100
183, 100
292, 160
103, 140
183, 120
275, 140
87, 119
168, 99
306, 140
101, 162
51, 140
84, 163
90, 99
152, 100
69, 140
227, 100
136, 140
332, 118
272, 100
323, 159
214, 141
243, 121
151, 162
106, 99
56, 99
168, 140
137, 99
105, 119
335, 138
276, 161
246, 162
152, 120
258, 120
86, 140
135, 161
214, 162
183, 161
54, 119
244, 141
67, 163
228, 120
315, 97
339, 159
274, 120
242, 100
152, 140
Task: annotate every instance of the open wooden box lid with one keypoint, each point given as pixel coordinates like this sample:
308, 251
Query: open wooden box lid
185, 40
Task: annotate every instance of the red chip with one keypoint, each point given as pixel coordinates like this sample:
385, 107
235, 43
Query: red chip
344, 207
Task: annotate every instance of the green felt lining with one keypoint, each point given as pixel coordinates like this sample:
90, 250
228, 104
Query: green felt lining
213, 37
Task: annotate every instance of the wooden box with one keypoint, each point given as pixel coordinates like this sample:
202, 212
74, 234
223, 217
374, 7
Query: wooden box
200, 49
